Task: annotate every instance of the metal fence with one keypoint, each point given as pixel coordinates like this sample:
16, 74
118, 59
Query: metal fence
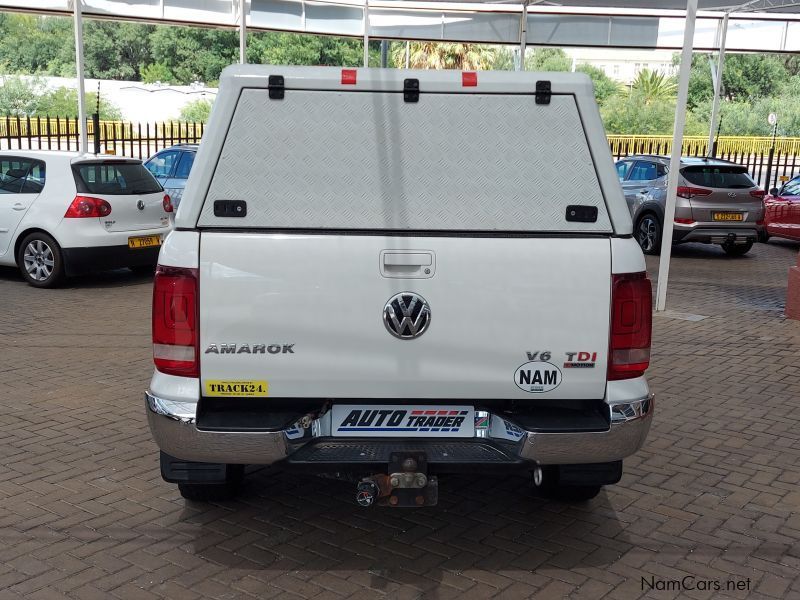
762, 156
137, 140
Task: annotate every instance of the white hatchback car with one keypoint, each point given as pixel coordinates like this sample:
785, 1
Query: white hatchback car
64, 213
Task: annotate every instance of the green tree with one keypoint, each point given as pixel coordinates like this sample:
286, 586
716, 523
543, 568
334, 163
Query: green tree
652, 86
116, 50
745, 77
19, 97
445, 55
156, 72
503, 60
604, 86
548, 59
30, 45
196, 111
629, 114
194, 53
297, 49
63, 102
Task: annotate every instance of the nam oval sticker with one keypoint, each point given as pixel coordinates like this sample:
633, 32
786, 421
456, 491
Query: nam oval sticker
537, 377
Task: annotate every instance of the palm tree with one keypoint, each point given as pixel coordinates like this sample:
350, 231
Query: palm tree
653, 86
440, 55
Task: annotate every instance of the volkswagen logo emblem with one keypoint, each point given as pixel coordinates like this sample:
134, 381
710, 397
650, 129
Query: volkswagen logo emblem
140, 205
406, 315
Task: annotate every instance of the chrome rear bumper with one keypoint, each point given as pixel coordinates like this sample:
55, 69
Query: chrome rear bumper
173, 426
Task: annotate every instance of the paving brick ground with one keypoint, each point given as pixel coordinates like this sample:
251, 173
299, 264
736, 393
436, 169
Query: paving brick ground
714, 495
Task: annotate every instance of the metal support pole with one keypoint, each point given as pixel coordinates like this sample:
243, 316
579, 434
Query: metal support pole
384, 53
242, 32
366, 33
717, 87
523, 35
675, 157
78, 25
408, 54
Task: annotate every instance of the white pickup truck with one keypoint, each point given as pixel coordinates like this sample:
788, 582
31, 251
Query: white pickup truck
397, 274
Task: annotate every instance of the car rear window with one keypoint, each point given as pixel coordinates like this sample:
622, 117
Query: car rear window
716, 176
114, 178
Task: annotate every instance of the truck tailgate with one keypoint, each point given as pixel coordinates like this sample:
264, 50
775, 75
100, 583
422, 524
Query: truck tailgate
298, 315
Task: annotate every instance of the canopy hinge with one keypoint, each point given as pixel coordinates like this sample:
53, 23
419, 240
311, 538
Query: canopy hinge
276, 87
543, 92
411, 90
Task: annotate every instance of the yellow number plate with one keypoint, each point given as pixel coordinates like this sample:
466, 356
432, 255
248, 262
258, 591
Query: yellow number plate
725, 216
241, 389
144, 241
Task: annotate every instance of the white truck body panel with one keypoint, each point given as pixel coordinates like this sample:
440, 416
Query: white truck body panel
492, 301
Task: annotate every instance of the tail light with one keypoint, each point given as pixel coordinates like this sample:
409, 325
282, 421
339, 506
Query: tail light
167, 203
631, 326
683, 221
176, 321
685, 191
758, 194
86, 206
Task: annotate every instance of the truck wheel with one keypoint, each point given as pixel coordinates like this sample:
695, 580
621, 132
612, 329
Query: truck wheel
737, 249
40, 260
208, 492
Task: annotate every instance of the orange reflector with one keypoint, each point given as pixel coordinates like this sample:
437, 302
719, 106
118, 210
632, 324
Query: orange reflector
348, 76
469, 79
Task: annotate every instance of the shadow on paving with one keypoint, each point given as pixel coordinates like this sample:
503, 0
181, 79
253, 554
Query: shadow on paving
285, 520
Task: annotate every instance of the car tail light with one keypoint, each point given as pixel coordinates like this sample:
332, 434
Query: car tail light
176, 321
167, 203
683, 221
758, 193
685, 191
631, 326
86, 206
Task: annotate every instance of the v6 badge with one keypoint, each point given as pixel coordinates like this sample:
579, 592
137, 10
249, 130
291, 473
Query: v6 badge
537, 377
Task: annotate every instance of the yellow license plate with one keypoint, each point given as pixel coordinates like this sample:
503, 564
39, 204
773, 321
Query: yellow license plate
726, 216
144, 241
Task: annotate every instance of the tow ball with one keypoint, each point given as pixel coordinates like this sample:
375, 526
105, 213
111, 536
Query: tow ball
406, 484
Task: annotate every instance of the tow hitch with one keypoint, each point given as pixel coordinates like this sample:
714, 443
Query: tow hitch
407, 483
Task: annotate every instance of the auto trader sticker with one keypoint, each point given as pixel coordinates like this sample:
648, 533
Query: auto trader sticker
403, 420
238, 389
537, 377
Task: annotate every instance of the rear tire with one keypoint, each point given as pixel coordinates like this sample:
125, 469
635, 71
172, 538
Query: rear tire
40, 260
737, 249
648, 233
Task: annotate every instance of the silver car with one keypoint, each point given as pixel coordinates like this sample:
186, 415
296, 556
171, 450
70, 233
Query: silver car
718, 202
171, 167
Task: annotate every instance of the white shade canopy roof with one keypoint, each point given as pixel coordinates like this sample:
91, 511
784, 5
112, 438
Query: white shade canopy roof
756, 25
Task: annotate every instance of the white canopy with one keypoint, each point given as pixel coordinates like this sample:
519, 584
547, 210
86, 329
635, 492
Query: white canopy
760, 25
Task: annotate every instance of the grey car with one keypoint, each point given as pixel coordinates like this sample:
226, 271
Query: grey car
171, 167
718, 202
